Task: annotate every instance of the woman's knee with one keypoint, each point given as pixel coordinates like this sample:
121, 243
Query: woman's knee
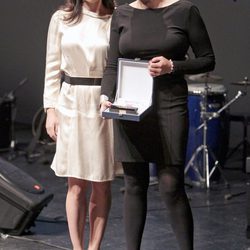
77, 187
136, 177
103, 189
171, 183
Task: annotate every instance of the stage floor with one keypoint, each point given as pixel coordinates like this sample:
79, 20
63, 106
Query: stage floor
219, 223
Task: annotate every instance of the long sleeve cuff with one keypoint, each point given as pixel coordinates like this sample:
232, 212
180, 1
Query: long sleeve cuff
103, 98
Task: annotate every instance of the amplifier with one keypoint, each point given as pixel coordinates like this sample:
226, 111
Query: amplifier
22, 198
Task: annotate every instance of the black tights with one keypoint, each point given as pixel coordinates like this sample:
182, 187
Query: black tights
171, 186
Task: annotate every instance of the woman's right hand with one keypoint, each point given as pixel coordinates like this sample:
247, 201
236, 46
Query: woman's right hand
52, 123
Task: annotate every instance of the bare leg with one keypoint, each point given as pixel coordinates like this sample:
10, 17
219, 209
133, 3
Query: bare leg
99, 206
76, 209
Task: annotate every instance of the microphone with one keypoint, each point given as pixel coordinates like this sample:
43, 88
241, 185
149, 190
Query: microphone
10, 95
215, 114
240, 93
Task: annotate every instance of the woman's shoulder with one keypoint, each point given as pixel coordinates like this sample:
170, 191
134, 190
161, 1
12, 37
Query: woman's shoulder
123, 8
123, 11
182, 4
185, 7
186, 4
59, 15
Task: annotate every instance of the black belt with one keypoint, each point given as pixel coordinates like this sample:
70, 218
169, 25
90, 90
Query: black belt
82, 80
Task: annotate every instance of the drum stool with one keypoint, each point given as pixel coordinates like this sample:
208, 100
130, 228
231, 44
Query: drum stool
245, 120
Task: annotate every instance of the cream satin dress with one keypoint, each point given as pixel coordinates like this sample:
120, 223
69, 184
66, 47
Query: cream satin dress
84, 147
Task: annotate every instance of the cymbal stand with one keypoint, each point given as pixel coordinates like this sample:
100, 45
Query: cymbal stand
245, 84
204, 149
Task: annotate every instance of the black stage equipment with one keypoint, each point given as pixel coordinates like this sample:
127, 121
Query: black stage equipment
248, 197
7, 119
203, 149
244, 119
5, 123
40, 136
22, 198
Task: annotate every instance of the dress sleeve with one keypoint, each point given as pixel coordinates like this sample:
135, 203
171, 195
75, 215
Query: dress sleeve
53, 63
199, 40
108, 85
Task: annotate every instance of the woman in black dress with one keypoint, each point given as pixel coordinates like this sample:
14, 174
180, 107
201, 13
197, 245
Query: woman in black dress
160, 31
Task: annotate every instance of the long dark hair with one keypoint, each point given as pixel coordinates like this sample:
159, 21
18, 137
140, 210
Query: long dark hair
74, 8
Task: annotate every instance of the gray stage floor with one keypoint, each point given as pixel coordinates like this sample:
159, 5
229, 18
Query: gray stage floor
220, 223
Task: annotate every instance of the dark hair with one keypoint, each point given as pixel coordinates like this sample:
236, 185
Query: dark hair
74, 8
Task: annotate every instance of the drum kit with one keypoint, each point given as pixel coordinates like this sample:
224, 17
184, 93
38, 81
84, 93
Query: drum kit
206, 103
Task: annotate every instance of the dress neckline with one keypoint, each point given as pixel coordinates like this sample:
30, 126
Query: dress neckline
94, 14
160, 8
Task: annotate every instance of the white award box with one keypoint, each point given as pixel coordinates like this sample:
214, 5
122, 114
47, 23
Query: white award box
134, 91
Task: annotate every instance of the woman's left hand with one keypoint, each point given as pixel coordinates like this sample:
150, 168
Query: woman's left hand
103, 106
159, 66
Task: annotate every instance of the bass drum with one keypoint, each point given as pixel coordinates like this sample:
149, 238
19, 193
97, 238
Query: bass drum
217, 128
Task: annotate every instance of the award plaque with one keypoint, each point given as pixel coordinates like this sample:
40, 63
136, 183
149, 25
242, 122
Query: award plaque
134, 91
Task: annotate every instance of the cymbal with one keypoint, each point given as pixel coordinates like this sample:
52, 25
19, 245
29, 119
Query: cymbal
205, 77
242, 83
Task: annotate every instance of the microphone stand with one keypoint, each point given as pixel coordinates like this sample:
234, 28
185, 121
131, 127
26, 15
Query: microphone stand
207, 116
11, 97
217, 113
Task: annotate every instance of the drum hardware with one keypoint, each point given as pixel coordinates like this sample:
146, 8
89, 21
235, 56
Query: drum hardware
203, 148
12, 99
205, 78
212, 115
242, 83
245, 82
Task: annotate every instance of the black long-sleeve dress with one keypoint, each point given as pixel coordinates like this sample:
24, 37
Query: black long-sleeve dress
145, 33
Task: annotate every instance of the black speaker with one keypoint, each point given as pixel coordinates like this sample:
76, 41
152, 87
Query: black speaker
22, 198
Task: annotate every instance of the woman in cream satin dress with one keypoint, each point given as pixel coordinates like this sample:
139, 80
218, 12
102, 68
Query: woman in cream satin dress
78, 38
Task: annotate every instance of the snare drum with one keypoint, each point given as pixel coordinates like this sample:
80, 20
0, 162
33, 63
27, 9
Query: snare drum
217, 128
5, 123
